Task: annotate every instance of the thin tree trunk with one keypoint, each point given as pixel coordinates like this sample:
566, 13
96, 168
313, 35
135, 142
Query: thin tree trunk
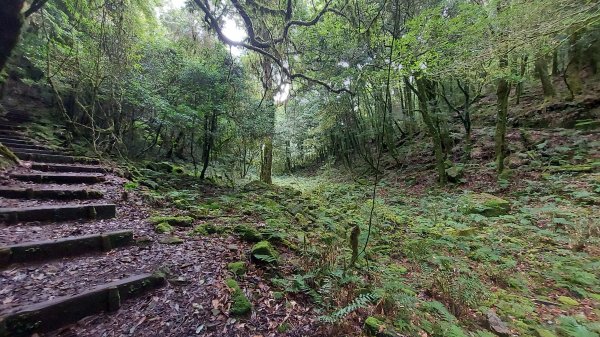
541, 68
424, 92
502, 92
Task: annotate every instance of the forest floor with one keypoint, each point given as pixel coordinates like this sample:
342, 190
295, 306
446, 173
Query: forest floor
519, 255
515, 256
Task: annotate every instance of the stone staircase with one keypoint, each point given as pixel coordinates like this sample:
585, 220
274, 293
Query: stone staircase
41, 199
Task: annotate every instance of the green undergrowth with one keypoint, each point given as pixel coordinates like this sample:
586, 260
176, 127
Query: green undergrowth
434, 262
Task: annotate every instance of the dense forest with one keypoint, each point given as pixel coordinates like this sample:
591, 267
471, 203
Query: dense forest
300, 168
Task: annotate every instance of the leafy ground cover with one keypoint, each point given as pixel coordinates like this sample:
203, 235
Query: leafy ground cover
514, 257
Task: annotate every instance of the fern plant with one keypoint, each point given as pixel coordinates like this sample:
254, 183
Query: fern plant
361, 301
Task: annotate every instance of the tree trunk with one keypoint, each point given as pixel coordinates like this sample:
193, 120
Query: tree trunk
426, 94
267, 160
209, 136
519, 89
266, 163
541, 68
502, 92
555, 67
11, 22
572, 77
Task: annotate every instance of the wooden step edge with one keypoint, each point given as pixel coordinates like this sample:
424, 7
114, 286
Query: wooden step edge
55, 313
36, 251
54, 194
58, 178
68, 168
57, 213
52, 158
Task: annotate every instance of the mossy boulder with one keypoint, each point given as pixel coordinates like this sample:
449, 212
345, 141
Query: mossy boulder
207, 228
377, 328
237, 268
455, 173
163, 227
240, 305
248, 233
264, 252
485, 204
177, 221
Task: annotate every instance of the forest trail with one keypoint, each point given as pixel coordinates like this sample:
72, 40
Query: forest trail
76, 247
38, 203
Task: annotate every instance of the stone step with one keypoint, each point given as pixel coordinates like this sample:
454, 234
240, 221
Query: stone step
51, 158
59, 178
14, 140
11, 133
67, 168
56, 194
57, 213
11, 126
58, 312
18, 146
58, 248
34, 151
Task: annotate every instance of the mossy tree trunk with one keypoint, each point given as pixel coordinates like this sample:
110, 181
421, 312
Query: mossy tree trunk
502, 92
572, 76
522, 70
11, 22
426, 93
541, 69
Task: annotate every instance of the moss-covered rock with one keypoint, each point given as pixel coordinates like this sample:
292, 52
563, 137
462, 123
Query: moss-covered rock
455, 173
485, 204
163, 227
240, 305
248, 233
237, 268
377, 328
178, 221
264, 252
207, 228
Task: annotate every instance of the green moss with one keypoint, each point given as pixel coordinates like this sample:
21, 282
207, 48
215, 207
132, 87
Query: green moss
544, 333
248, 233
163, 227
571, 168
178, 221
264, 251
283, 327
567, 300
240, 304
375, 327
485, 204
237, 268
205, 229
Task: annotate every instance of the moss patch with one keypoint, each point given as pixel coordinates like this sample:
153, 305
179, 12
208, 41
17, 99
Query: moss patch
240, 304
264, 252
485, 204
248, 233
178, 221
237, 268
163, 227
